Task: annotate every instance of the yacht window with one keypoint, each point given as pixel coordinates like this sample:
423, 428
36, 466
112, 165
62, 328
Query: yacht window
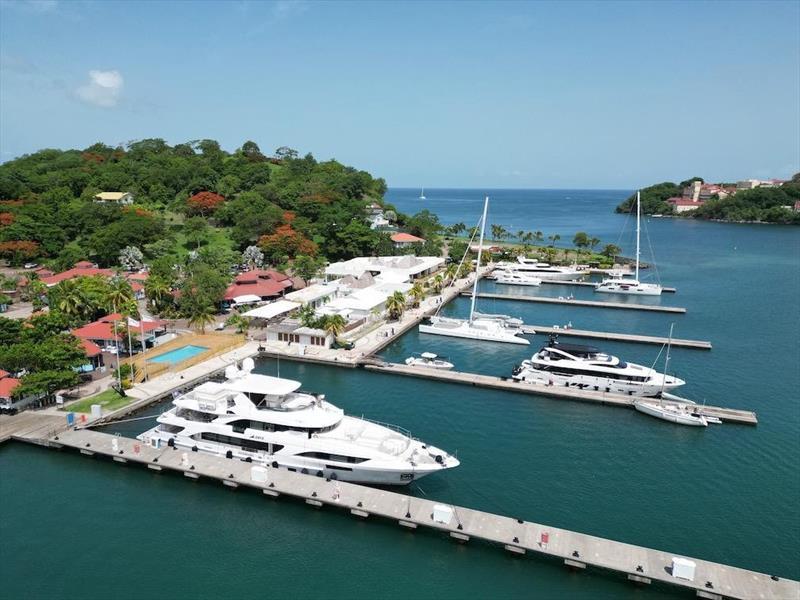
194, 415
166, 428
336, 457
338, 468
244, 443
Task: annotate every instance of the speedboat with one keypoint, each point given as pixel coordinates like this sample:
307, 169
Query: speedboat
428, 360
268, 420
587, 367
682, 414
542, 270
509, 277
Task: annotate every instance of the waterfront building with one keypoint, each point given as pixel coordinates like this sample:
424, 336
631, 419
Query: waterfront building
81, 269
265, 284
406, 240
292, 331
405, 268
316, 294
683, 204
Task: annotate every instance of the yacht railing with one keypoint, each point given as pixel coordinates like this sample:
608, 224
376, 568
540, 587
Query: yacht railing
396, 428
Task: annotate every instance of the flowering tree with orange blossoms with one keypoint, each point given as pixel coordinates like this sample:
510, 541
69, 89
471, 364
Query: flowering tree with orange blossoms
285, 241
19, 250
6, 218
204, 203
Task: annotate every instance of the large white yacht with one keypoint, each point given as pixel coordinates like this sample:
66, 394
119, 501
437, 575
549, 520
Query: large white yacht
268, 420
508, 277
619, 284
531, 266
587, 367
490, 328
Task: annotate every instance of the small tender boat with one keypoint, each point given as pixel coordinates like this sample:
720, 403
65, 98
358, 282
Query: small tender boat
681, 414
509, 277
429, 360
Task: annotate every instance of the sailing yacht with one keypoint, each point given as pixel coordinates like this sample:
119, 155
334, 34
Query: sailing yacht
267, 420
619, 284
491, 328
541, 270
588, 367
422, 194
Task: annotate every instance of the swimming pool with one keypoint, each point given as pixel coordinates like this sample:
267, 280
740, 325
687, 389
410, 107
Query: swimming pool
178, 354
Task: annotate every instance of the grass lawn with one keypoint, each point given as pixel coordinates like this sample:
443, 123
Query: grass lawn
109, 400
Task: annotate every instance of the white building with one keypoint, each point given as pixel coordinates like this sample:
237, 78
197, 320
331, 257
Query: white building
114, 197
316, 294
398, 268
293, 332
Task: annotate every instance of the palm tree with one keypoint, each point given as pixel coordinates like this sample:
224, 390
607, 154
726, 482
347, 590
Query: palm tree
465, 269
611, 251
201, 316
240, 322
527, 237
417, 293
553, 239
451, 271
396, 305
437, 283
119, 296
538, 236
335, 324
156, 290
593, 242
70, 298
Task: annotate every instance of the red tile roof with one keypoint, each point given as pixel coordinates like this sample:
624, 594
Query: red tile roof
7, 385
264, 288
90, 348
146, 325
683, 202
84, 264
76, 272
137, 276
96, 331
4, 373
255, 274
406, 238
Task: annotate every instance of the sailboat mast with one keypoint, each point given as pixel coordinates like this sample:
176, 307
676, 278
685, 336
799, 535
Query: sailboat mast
638, 217
666, 361
478, 266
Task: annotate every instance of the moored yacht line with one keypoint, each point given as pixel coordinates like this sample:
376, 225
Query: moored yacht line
508, 277
589, 368
267, 419
540, 270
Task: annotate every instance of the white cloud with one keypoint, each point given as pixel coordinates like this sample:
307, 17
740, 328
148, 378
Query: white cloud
103, 89
284, 9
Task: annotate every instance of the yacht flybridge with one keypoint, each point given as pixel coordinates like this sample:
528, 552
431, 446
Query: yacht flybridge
619, 284
491, 328
588, 368
267, 419
541, 270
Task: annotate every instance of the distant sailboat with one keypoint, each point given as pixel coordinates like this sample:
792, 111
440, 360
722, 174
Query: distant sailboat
422, 195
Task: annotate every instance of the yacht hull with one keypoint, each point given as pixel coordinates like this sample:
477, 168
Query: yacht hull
474, 334
673, 414
531, 283
633, 290
587, 382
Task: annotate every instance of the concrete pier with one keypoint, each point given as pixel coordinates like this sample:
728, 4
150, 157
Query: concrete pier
591, 303
552, 391
575, 549
617, 337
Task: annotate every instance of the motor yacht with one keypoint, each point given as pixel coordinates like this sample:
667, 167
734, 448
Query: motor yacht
531, 266
508, 277
268, 420
587, 367
428, 360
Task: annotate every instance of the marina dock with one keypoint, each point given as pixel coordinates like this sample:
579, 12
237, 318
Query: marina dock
574, 302
729, 415
617, 337
575, 550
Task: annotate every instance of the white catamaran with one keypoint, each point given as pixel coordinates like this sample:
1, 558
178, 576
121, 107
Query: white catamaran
422, 194
491, 328
619, 284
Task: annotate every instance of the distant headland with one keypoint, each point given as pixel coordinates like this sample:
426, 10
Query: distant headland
747, 201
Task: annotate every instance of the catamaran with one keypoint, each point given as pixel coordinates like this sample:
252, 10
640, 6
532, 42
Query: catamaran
268, 420
618, 284
422, 194
491, 328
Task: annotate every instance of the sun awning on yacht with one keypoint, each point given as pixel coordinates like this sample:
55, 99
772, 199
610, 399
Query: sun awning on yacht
263, 384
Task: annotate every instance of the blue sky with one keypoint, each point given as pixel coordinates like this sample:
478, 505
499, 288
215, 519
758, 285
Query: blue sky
465, 94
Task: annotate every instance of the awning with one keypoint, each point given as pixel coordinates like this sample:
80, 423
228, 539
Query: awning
247, 299
273, 309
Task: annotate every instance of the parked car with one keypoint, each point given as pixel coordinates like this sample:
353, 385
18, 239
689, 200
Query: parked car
31, 265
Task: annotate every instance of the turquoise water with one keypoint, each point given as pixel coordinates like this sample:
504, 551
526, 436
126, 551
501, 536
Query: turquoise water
179, 354
728, 493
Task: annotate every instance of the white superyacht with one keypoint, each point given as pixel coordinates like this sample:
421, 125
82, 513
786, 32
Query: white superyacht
586, 367
268, 420
541, 270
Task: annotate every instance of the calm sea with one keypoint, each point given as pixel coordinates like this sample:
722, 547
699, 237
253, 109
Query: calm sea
81, 528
